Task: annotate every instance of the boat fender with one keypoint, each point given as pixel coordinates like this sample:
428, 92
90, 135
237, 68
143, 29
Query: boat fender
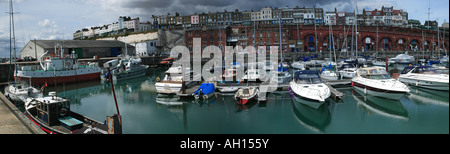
158, 79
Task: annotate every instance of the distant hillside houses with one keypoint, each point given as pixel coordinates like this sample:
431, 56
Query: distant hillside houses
385, 17
122, 26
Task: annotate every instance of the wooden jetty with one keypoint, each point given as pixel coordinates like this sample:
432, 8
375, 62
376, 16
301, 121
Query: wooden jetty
335, 93
189, 91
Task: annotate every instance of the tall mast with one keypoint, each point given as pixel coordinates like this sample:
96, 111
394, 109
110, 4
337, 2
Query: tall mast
356, 28
12, 36
281, 49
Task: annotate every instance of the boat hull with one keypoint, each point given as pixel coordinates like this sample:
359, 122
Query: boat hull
435, 85
245, 100
315, 92
60, 79
390, 94
50, 130
168, 87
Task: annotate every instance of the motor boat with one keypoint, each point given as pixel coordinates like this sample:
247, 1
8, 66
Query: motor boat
307, 84
347, 71
403, 59
425, 77
253, 75
328, 75
328, 63
205, 91
19, 92
126, 67
227, 89
298, 65
246, 94
377, 82
281, 77
381, 62
222, 82
174, 81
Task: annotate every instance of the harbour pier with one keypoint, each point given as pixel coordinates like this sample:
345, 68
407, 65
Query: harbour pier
13, 121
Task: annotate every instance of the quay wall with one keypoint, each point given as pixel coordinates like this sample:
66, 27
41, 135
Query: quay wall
5, 67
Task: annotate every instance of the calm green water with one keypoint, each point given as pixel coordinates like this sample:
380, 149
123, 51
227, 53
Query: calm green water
422, 111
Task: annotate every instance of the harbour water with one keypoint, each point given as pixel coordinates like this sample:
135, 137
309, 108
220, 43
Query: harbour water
420, 112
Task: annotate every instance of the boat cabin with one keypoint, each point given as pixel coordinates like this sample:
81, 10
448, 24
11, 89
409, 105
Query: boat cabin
55, 111
346, 65
420, 70
373, 73
307, 77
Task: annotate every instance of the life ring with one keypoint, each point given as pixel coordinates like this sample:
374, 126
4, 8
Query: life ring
63, 112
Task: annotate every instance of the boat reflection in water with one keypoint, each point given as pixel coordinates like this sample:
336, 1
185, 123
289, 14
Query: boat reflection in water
429, 96
382, 106
311, 114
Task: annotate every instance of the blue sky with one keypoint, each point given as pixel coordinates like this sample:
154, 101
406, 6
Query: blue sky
59, 19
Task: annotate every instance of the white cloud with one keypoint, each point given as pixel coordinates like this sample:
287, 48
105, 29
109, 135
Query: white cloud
46, 23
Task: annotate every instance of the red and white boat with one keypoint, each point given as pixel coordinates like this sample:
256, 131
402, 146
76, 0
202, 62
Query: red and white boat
377, 82
58, 68
246, 94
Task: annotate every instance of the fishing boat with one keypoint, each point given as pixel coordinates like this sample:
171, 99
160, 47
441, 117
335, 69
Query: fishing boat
246, 94
126, 67
53, 115
307, 85
377, 82
175, 80
58, 68
205, 91
403, 59
424, 77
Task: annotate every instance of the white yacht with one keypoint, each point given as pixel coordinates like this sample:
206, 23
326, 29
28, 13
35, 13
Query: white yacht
253, 75
403, 59
307, 84
298, 65
425, 77
173, 81
347, 71
19, 92
377, 82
